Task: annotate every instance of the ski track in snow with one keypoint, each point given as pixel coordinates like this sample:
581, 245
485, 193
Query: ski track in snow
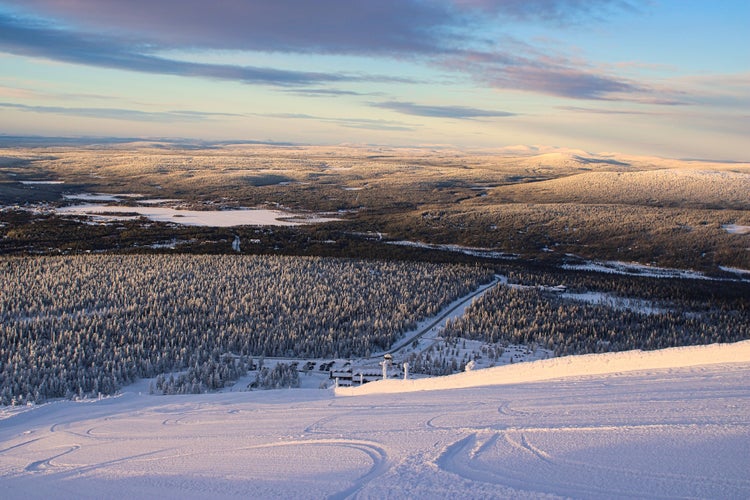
660, 432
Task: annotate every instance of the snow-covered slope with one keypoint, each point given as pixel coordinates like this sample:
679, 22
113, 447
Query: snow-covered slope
671, 187
672, 423
569, 366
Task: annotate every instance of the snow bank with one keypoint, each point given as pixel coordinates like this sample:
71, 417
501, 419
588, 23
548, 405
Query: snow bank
564, 367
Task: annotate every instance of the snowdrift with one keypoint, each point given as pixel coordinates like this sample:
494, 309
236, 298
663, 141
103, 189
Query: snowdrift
564, 367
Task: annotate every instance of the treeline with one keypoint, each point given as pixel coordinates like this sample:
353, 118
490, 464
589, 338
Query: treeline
216, 374
210, 375
668, 236
688, 294
631, 312
281, 376
531, 315
84, 325
446, 358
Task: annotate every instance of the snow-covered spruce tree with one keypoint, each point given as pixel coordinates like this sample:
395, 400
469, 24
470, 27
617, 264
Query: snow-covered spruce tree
281, 376
91, 324
534, 316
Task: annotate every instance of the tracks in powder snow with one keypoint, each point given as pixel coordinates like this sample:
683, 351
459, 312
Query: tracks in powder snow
651, 434
515, 458
158, 446
41, 465
376, 453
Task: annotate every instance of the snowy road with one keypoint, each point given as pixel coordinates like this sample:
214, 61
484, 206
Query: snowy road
453, 310
677, 432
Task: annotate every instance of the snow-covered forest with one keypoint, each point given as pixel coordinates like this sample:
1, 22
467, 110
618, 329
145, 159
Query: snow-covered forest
525, 316
85, 325
534, 315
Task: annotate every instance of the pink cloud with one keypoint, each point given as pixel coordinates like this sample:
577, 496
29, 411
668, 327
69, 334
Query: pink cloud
115, 33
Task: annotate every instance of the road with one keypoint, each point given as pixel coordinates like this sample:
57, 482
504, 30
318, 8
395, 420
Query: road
408, 340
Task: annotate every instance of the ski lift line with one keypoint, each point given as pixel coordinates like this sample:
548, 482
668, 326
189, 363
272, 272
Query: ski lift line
405, 342
439, 319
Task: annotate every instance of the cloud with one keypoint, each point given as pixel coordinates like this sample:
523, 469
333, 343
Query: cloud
17, 93
8, 92
601, 111
445, 33
312, 92
562, 81
300, 26
362, 123
555, 11
120, 114
321, 26
354, 27
34, 39
730, 91
455, 112
544, 74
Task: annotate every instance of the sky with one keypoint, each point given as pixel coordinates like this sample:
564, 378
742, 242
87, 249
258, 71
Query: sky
659, 77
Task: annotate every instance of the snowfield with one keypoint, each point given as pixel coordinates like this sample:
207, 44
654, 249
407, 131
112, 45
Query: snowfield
211, 218
671, 423
635, 269
736, 229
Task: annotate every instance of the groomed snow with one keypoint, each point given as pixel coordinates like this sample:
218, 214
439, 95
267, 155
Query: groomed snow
564, 367
672, 423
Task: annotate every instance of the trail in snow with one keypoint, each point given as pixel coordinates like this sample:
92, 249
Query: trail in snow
453, 310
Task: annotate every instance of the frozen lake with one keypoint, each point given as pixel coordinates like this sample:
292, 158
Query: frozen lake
212, 218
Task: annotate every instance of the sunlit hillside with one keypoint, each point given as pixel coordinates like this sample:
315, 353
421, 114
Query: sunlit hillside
685, 188
535, 204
